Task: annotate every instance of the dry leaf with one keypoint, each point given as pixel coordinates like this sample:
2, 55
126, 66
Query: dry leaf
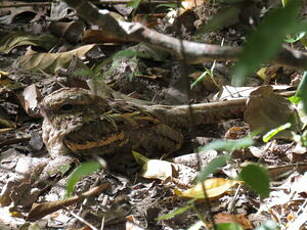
51, 62
215, 187
267, 110
159, 169
228, 92
268, 73
29, 99
155, 169
3, 73
231, 218
265, 74
6, 123
236, 132
8, 84
190, 4
15, 39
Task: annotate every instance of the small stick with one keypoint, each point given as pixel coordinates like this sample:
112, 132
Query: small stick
25, 4
99, 2
127, 1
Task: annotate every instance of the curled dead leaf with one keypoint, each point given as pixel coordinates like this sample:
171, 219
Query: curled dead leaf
215, 187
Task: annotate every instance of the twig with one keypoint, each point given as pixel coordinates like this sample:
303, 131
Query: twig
45, 208
127, 1
300, 219
276, 172
15, 5
98, 2
14, 140
234, 199
82, 220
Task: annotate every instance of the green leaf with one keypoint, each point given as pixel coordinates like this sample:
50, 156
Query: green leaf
64, 168
295, 38
228, 226
295, 99
201, 77
268, 225
86, 72
168, 5
257, 178
269, 135
264, 43
139, 158
212, 166
82, 170
302, 88
228, 145
134, 3
303, 138
284, 2
301, 91
299, 27
125, 53
61, 169
177, 211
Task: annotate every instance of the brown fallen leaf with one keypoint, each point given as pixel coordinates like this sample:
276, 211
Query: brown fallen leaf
268, 73
8, 84
51, 62
231, 218
236, 132
267, 110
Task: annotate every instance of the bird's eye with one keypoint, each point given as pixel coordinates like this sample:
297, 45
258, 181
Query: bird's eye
66, 107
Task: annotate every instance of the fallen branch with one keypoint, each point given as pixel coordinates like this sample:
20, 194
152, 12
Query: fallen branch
39, 210
193, 52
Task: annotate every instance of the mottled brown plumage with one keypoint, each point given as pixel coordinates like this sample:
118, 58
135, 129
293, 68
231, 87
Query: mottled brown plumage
77, 121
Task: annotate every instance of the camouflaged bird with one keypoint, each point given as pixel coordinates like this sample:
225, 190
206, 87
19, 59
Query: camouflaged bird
76, 121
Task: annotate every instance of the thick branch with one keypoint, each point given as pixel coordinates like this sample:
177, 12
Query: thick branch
193, 52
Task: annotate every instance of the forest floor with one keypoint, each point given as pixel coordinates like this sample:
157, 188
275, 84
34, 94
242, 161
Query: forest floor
45, 47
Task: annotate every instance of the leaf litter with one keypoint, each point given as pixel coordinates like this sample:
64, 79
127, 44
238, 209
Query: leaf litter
130, 198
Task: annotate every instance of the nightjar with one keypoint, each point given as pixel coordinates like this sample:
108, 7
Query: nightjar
76, 121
